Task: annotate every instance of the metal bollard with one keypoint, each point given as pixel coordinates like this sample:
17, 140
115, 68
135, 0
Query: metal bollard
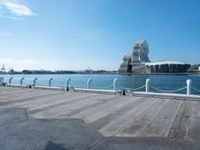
67, 84
147, 85
114, 84
50, 81
88, 83
21, 80
189, 86
34, 81
10, 80
123, 92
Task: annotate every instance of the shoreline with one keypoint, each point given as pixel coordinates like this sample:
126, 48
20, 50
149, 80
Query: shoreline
192, 73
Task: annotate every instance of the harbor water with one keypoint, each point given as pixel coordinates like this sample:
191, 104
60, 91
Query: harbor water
158, 83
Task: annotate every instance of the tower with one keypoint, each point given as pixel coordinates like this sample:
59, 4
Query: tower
3, 69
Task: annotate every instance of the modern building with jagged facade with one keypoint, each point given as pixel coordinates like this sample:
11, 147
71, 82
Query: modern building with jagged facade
138, 62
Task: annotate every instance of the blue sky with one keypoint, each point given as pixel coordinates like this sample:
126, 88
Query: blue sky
77, 34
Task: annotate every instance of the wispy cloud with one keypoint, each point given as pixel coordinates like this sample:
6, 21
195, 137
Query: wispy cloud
18, 9
14, 9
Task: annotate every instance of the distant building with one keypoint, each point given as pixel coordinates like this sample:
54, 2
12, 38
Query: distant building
11, 71
3, 69
89, 70
138, 62
199, 68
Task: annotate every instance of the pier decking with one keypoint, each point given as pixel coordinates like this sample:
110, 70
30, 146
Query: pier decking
111, 115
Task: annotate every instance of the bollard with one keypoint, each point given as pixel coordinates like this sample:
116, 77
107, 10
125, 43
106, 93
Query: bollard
21, 80
147, 85
189, 86
88, 83
10, 80
67, 84
34, 81
50, 81
114, 84
123, 92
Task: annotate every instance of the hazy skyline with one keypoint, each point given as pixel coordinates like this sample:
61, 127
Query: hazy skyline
77, 34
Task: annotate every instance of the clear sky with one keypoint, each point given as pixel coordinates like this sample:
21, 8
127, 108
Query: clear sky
77, 34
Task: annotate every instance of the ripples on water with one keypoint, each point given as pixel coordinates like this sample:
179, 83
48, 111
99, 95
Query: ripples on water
163, 82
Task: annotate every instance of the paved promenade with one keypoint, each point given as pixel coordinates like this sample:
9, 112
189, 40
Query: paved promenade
107, 118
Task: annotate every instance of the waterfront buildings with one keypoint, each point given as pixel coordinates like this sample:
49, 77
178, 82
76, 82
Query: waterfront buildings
138, 62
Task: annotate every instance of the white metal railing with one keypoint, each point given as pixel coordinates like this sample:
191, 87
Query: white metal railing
114, 84
169, 91
147, 87
189, 86
67, 84
35, 81
135, 89
88, 83
197, 90
21, 80
1, 80
10, 80
50, 81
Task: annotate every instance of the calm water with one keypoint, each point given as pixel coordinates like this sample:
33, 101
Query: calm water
163, 82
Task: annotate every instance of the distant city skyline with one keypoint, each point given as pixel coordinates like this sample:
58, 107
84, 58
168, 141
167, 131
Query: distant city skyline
78, 34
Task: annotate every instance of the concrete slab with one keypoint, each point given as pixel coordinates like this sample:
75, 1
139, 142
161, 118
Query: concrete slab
111, 115
152, 143
18, 132
29, 134
10, 116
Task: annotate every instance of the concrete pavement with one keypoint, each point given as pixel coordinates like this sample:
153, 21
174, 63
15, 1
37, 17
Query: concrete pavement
19, 132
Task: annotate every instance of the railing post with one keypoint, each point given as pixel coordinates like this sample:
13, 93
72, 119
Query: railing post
21, 80
67, 84
1, 80
88, 83
10, 80
34, 81
147, 85
114, 84
189, 86
50, 81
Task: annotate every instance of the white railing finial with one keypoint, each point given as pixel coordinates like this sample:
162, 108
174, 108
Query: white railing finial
147, 85
50, 81
114, 84
189, 86
67, 84
88, 83
1, 80
10, 80
21, 80
35, 81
